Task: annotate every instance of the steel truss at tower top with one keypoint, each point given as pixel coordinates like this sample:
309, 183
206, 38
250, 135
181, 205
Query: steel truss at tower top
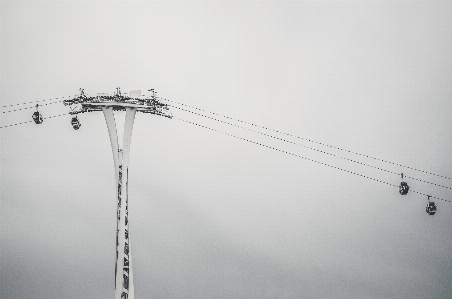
119, 101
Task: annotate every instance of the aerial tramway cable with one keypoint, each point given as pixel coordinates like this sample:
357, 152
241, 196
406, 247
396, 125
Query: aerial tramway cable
263, 127
313, 141
25, 122
283, 151
311, 148
20, 108
14, 110
11, 105
299, 156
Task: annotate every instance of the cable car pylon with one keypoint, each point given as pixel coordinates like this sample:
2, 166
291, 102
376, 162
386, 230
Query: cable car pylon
124, 287
123, 270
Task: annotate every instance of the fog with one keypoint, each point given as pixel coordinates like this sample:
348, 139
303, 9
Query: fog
236, 214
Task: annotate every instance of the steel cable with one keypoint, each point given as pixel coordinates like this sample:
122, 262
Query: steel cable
306, 139
299, 156
25, 122
31, 107
11, 105
270, 147
308, 147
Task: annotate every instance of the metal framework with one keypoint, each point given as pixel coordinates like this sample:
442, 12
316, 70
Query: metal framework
119, 101
124, 288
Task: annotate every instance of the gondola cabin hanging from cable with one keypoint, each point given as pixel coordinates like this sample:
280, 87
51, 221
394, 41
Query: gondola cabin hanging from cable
37, 117
431, 207
403, 188
75, 123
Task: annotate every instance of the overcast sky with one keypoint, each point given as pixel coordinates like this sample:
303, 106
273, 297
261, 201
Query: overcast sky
213, 216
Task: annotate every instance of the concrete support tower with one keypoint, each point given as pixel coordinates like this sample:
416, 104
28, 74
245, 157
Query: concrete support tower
131, 103
123, 269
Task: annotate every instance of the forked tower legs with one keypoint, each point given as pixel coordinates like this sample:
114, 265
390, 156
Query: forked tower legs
124, 288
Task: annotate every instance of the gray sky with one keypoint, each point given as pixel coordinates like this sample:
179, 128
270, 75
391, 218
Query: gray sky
213, 216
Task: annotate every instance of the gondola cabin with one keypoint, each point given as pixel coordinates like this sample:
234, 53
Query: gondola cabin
75, 123
403, 188
431, 208
37, 117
